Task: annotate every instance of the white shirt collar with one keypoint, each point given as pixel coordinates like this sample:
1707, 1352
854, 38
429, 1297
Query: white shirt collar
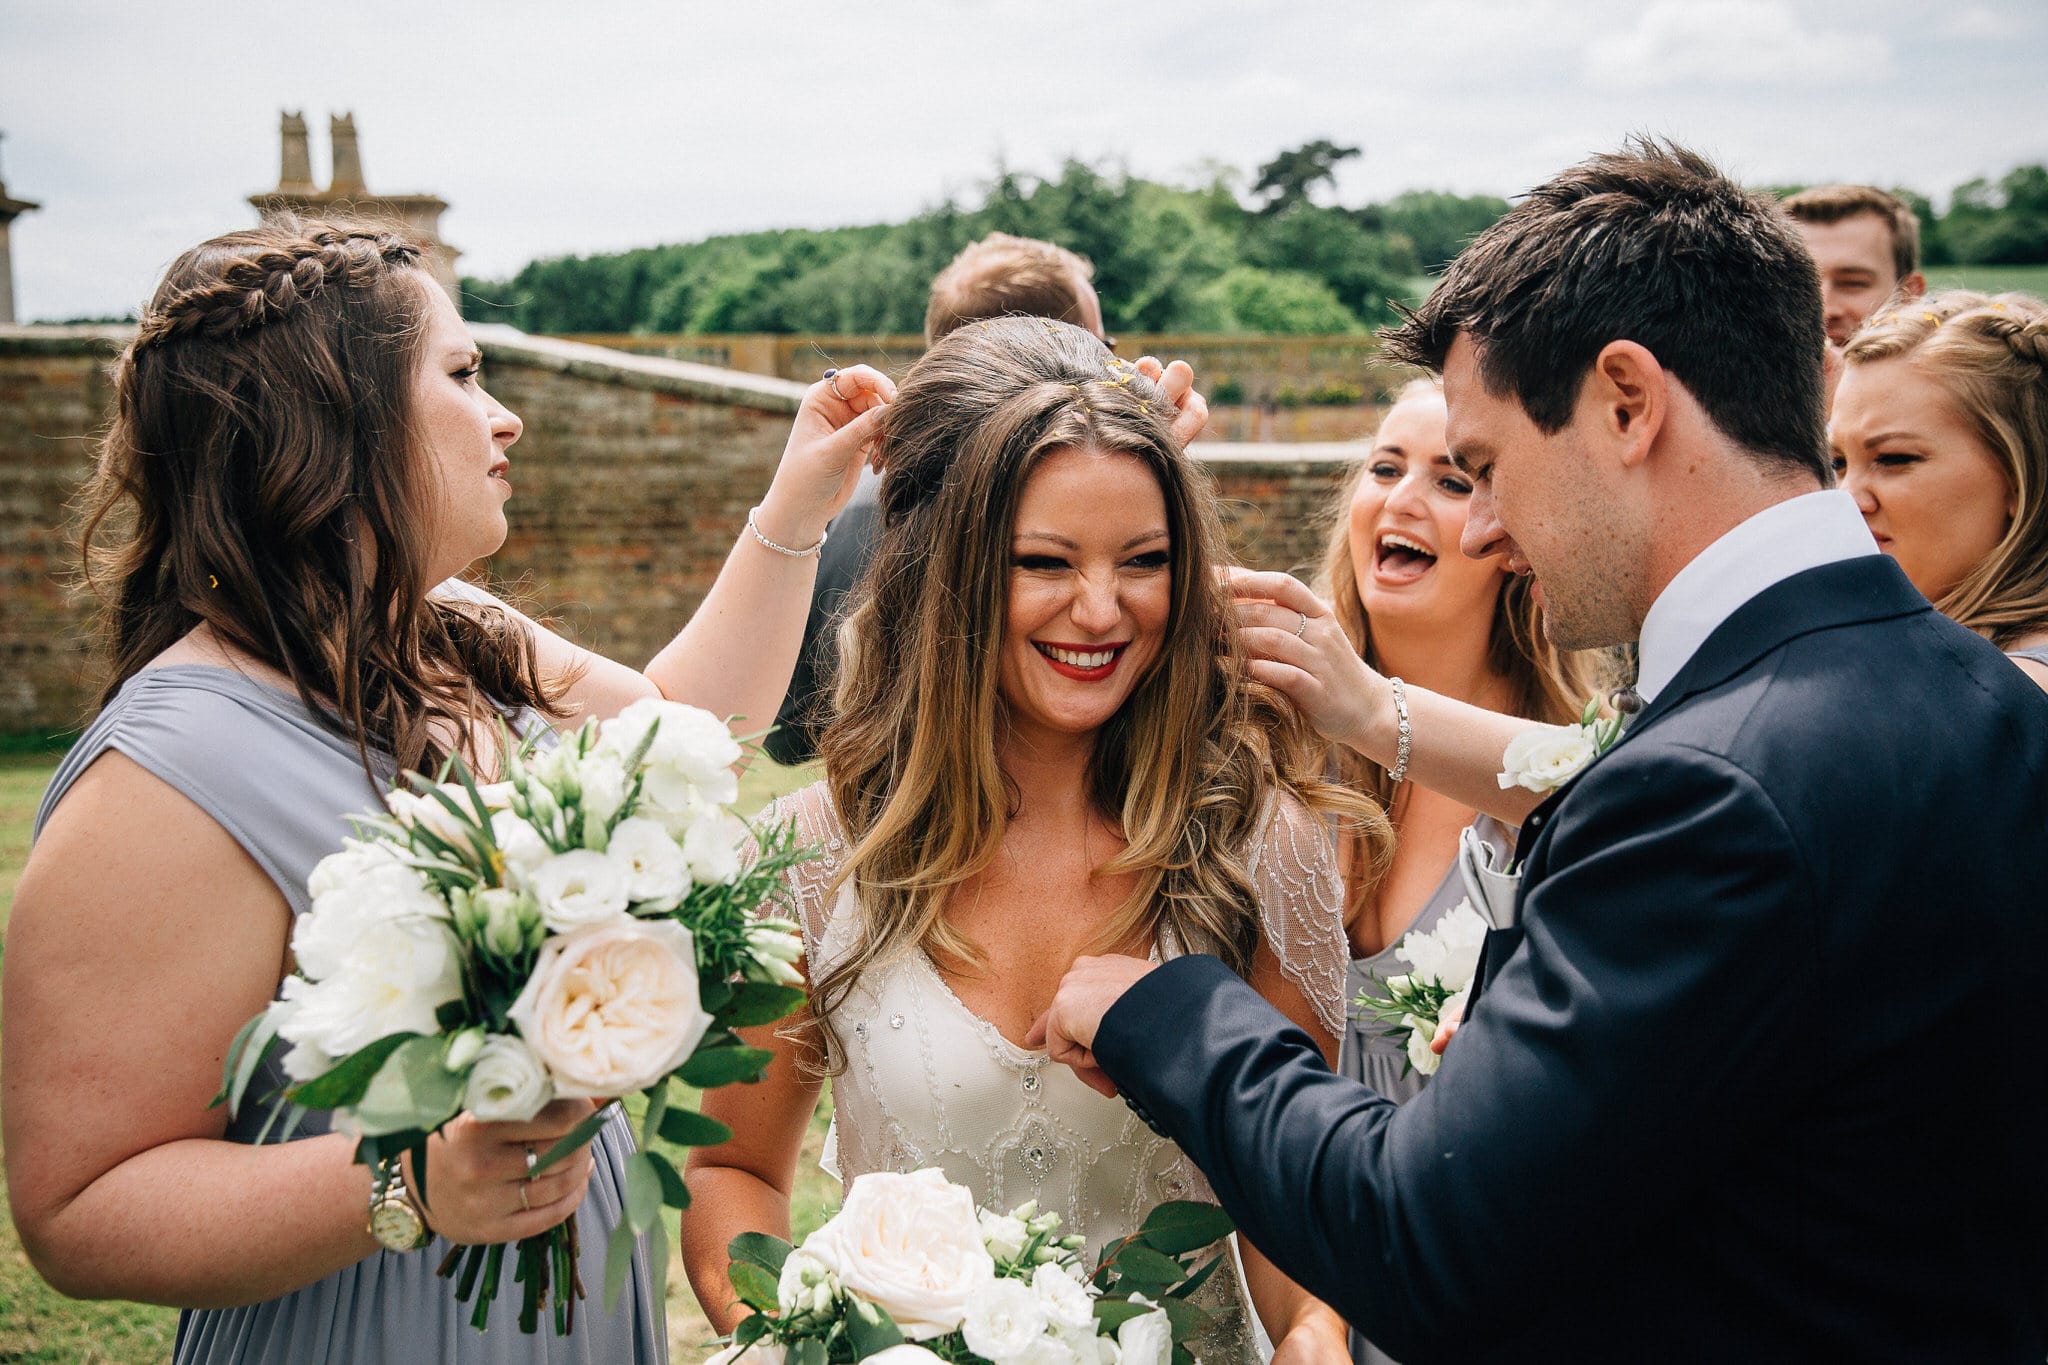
1784, 539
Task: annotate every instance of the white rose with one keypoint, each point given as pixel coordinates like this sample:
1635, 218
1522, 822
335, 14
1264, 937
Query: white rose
1003, 1318
1003, 1235
396, 974
690, 761
910, 1245
656, 872
1090, 1349
305, 1060
509, 1083
712, 845
324, 938
1449, 953
523, 848
1046, 1350
759, 1353
614, 1007
578, 888
903, 1353
1421, 1033
1145, 1340
358, 860
603, 780
1068, 1304
1546, 756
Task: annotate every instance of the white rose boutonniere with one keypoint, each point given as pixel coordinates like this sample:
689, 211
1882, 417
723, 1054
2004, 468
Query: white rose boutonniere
1544, 757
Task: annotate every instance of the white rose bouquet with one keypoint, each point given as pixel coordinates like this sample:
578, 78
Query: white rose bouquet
908, 1272
1442, 963
585, 928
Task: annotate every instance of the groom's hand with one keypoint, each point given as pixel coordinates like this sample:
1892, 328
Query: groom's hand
1067, 1028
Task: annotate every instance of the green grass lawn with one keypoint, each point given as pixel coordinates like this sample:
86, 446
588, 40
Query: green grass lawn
37, 1324
1991, 279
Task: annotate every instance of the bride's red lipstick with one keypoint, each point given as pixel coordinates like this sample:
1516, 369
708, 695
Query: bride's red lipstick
1079, 672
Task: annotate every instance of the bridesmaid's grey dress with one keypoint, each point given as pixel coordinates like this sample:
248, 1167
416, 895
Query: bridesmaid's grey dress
1367, 1054
253, 758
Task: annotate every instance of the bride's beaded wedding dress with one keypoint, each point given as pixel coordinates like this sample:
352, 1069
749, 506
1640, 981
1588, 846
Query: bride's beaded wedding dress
928, 1083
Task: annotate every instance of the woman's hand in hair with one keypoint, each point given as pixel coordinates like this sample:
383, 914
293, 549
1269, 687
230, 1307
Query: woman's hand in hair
1190, 409
834, 435
1298, 647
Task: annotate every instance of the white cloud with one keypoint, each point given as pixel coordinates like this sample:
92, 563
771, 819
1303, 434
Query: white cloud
1732, 42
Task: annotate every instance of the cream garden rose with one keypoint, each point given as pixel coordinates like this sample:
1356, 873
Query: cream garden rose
614, 1007
909, 1244
1544, 757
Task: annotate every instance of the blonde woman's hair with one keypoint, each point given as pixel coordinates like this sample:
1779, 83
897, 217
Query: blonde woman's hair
1185, 769
1990, 354
1548, 684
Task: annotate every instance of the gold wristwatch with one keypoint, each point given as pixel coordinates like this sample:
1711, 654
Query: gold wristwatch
395, 1220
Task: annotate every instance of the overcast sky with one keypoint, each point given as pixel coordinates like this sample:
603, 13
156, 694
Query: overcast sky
556, 128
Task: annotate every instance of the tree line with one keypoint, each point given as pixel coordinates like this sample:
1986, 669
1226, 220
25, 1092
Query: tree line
1167, 258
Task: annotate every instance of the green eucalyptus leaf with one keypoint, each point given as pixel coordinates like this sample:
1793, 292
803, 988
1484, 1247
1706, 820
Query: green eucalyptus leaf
761, 1249
687, 1128
754, 1003
1113, 1312
707, 1070
643, 1193
1184, 1225
674, 1192
345, 1082
412, 1090
870, 1330
244, 1054
1187, 1319
1140, 1266
752, 1328
618, 1264
756, 1286
806, 1351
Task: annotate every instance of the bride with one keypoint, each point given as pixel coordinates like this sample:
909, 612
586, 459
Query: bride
1045, 745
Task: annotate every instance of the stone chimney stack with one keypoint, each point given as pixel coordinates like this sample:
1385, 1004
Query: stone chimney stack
347, 179
295, 175
10, 209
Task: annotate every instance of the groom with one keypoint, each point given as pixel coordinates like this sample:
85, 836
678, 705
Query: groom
1765, 1078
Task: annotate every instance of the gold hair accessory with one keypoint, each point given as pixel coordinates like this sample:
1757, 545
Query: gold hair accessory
212, 582
1931, 318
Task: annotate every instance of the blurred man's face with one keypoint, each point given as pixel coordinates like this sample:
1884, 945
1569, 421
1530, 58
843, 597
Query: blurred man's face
1856, 270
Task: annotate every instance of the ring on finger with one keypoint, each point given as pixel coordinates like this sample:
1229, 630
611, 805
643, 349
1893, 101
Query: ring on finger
1301, 629
832, 382
532, 1160
524, 1206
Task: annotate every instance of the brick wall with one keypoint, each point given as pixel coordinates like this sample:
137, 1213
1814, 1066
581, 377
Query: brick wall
632, 480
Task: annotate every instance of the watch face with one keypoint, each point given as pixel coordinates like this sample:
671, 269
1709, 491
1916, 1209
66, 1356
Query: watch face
394, 1225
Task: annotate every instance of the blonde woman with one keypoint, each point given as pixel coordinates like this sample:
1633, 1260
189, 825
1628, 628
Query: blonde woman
1044, 746
1940, 431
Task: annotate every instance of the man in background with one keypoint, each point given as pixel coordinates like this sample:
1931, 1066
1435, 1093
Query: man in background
998, 276
1867, 246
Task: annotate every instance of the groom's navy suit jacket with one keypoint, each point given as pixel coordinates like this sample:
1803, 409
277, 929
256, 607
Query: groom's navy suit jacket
1766, 1078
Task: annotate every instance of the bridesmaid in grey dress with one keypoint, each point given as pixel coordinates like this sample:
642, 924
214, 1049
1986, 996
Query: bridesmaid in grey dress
301, 450
1940, 432
1416, 608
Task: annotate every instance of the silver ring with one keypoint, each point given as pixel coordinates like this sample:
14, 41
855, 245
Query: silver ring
1303, 627
832, 383
532, 1160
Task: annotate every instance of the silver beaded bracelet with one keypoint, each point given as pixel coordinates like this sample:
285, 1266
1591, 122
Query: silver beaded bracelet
1399, 773
823, 536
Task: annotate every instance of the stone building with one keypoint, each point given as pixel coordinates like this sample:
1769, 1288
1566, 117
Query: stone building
10, 209
346, 192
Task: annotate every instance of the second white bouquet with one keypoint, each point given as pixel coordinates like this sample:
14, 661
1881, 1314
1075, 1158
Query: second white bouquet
585, 928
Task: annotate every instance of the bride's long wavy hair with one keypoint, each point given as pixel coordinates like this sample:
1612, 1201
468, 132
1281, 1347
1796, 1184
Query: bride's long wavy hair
263, 476
1184, 769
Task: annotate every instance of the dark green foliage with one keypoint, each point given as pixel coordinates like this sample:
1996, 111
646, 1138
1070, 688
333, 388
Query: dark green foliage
1166, 259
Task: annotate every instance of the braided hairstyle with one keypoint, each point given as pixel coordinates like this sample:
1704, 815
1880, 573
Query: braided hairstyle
1990, 354
262, 476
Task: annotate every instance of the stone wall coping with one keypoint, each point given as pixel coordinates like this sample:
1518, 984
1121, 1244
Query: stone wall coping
1280, 452
683, 378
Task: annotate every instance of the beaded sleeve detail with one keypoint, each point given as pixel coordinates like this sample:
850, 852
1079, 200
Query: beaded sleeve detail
817, 824
1301, 907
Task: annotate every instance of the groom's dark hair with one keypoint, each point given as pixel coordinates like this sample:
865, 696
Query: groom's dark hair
1650, 244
